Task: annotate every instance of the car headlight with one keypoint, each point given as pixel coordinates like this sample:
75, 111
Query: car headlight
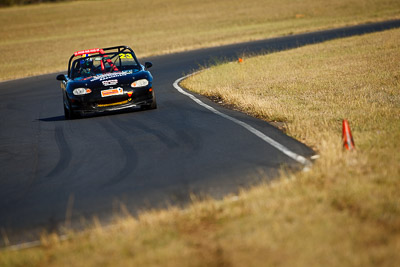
81, 91
140, 83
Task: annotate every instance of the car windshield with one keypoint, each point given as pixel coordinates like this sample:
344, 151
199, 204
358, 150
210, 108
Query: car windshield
92, 65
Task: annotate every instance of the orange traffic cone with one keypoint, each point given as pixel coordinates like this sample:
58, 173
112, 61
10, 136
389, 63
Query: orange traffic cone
240, 60
348, 141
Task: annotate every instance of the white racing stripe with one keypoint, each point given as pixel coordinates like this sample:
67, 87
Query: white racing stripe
307, 163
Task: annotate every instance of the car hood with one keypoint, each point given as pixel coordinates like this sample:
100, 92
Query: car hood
111, 79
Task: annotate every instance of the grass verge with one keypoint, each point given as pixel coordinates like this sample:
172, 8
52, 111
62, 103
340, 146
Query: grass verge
39, 39
344, 212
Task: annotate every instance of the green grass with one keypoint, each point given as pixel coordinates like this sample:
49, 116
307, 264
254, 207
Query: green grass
39, 39
344, 212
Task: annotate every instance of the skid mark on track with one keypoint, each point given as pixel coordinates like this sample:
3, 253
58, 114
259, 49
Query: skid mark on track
134, 125
65, 152
129, 154
177, 133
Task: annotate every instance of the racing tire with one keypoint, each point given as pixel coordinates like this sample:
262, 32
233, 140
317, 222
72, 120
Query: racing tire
153, 104
72, 115
66, 114
69, 113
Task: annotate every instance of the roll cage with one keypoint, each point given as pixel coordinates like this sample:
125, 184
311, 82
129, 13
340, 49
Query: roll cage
104, 53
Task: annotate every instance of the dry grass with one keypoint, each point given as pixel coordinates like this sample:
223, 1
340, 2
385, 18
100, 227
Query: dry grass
344, 212
40, 38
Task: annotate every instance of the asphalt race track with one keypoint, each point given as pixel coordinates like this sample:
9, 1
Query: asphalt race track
55, 172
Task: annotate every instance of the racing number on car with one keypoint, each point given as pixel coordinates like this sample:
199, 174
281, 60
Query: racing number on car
127, 55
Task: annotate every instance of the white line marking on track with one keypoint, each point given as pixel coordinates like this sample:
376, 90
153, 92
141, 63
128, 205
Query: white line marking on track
31, 244
315, 156
307, 163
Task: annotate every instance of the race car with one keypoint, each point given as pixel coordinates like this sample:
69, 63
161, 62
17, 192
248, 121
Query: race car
106, 79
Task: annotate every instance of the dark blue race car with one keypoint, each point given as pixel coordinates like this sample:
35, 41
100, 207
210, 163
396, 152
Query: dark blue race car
106, 79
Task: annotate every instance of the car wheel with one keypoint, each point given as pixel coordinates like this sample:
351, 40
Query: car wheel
72, 115
67, 113
154, 104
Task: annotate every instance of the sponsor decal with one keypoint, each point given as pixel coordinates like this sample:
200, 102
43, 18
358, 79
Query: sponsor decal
112, 91
89, 51
108, 76
109, 82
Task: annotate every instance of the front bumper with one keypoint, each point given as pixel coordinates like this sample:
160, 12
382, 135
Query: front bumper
96, 103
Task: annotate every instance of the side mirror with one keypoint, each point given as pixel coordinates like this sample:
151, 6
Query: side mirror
148, 65
61, 77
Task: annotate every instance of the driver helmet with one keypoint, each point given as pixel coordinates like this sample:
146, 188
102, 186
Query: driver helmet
86, 63
86, 66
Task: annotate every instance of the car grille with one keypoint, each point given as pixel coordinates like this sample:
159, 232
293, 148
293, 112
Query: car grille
114, 101
113, 104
